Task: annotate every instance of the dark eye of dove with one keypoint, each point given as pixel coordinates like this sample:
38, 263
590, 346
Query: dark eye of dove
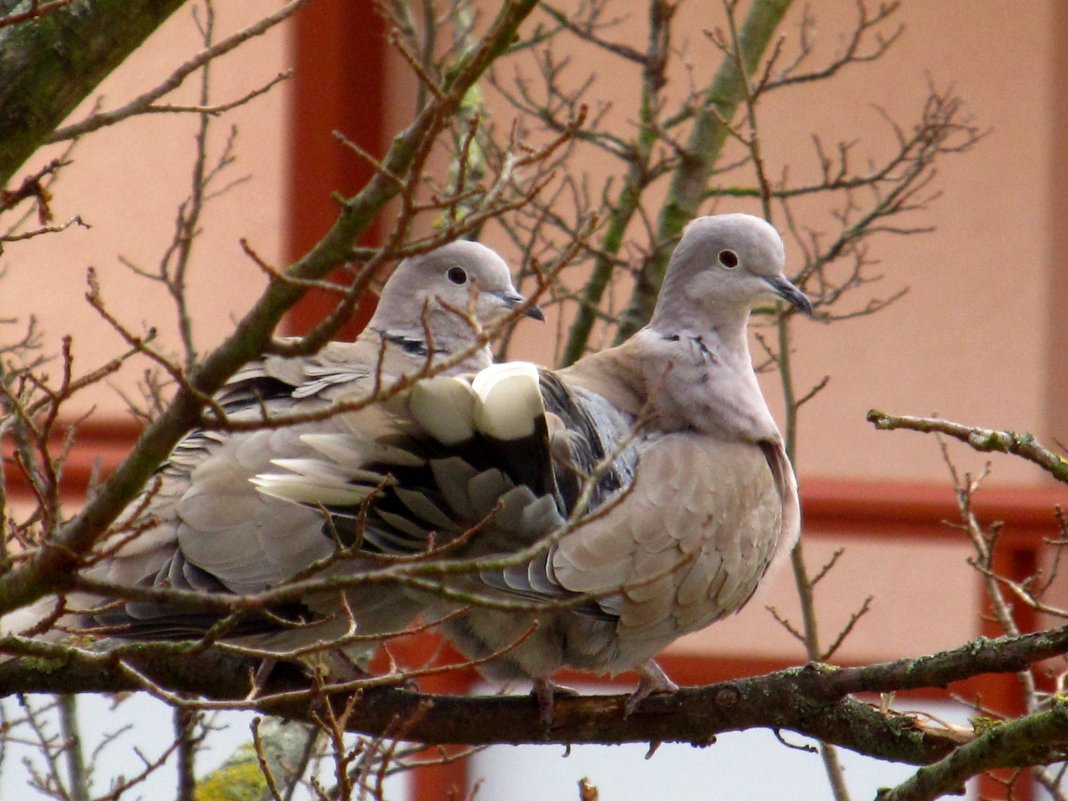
457, 275
728, 258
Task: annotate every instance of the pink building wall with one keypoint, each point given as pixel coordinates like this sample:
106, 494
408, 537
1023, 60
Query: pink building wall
978, 337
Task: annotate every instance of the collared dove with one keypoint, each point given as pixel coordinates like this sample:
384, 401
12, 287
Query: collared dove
213, 531
652, 475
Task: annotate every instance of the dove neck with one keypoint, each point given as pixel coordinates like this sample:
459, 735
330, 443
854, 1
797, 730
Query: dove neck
437, 334
702, 378
727, 326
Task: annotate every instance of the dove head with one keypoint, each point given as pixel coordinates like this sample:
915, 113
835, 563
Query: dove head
446, 282
723, 266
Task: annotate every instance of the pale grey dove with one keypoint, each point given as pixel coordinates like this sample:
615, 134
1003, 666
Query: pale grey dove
216, 533
691, 495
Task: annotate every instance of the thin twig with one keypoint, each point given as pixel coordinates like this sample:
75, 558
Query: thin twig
985, 440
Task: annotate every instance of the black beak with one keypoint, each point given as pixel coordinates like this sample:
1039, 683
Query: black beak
791, 294
536, 313
513, 300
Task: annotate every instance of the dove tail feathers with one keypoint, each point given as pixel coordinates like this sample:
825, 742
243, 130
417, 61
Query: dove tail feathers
451, 452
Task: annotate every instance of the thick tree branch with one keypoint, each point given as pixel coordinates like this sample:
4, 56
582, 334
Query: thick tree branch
1033, 740
815, 700
144, 103
49, 64
637, 178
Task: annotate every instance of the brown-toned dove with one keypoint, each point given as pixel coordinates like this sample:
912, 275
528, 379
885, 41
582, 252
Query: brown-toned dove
208, 529
652, 475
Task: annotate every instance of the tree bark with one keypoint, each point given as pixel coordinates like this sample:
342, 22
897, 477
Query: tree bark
816, 700
48, 65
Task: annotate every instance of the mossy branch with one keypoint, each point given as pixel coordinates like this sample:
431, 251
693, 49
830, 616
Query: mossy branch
637, 178
986, 440
57, 559
50, 63
1037, 739
689, 180
815, 700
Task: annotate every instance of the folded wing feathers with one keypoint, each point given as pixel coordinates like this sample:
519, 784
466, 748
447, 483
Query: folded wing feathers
216, 535
652, 564
337, 366
680, 550
421, 506
450, 424
317, 468
453, 477
355, 451
511, 487
311, 491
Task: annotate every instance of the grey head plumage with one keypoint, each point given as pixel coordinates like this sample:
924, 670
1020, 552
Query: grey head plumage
723, 266
425, 293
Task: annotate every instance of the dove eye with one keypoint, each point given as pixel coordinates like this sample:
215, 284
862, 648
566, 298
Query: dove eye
458, 275
728, 258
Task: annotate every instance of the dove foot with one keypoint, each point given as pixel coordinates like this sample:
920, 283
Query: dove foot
545, 691
651, 679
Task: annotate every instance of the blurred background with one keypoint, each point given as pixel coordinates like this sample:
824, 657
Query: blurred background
976, 332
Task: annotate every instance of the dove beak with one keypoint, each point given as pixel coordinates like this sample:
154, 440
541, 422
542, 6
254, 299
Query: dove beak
790, 293
536, 313
513, 300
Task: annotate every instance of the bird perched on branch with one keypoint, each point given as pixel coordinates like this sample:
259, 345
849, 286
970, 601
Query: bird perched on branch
598, 512
202, 526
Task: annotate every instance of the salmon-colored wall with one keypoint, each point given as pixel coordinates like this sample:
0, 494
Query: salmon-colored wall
978, 338
973, 339
127, 181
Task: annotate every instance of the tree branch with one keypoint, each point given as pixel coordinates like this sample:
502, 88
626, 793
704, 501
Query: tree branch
143, 104
986, 440
815, 700
1026, 741
50, 64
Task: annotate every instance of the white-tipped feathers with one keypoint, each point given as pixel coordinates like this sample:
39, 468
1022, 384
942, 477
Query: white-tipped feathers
509, 400
446, 409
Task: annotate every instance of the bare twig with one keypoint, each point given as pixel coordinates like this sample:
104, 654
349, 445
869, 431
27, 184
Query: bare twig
144, 103
35, 11
981, 439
